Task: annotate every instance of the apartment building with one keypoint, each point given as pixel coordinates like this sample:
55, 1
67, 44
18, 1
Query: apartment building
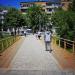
48, 7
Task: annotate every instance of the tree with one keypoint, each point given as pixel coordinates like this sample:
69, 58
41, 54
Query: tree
37, 17
1, 25
14, 19
65, 21
73, 5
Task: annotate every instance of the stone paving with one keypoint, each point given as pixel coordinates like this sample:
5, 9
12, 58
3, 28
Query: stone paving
32, 56
35, 72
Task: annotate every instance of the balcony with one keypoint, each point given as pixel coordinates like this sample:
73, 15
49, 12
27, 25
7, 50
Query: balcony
53, 6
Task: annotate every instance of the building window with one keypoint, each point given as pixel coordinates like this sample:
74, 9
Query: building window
24, 10
49, 9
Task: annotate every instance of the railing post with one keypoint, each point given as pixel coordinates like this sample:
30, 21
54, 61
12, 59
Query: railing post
59, 42
13, 39
6, 43
64, 44
2, 46
73, 47
10, 41
55, 40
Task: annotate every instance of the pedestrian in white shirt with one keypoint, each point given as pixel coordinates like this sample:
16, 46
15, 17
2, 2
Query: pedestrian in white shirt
47, 39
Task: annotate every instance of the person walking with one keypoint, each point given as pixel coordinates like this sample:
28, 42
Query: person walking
25, 33
47, 39
39, 34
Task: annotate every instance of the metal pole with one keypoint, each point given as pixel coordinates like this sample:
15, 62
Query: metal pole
64, 44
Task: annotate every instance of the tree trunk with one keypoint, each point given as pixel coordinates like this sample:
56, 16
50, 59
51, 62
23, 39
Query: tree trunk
15, 31
18, 31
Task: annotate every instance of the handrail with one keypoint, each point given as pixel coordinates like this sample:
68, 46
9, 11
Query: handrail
6, 38
5, 43
66, 42
64, 39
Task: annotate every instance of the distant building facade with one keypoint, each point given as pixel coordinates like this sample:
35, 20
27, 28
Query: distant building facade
48, 7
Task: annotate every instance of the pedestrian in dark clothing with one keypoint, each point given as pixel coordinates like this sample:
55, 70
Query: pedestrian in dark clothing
25, 33
39, 34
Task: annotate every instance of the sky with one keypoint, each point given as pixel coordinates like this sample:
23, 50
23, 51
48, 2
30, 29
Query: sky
16, 3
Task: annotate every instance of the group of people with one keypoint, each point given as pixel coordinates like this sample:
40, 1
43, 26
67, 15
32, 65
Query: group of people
47, 39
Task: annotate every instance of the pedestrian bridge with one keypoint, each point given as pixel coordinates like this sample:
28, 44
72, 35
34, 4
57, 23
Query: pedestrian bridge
29, 55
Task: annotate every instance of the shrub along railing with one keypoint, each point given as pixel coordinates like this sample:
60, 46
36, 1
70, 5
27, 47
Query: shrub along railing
5, 43
65, 43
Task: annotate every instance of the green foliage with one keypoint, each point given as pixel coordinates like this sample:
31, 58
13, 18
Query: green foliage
37, 17
3, 7
13, 17
65, 21
73, 5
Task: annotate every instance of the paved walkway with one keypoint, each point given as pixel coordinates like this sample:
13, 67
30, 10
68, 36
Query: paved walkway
32, 59
9, 53
68, 58
32, 56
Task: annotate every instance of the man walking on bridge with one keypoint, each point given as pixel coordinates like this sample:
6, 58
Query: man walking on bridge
47, 39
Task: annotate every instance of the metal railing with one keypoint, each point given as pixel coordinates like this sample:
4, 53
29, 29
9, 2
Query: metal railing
66, 43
